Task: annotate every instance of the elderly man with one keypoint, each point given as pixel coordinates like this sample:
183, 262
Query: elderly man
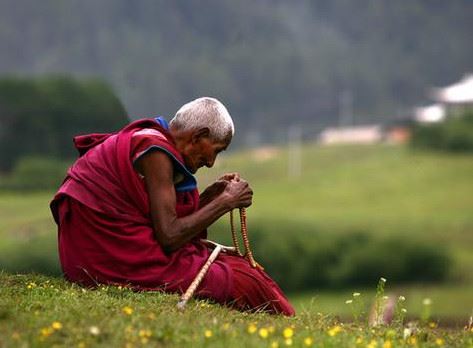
129, 211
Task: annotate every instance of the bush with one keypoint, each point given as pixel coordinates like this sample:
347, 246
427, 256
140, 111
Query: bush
46, 112
35, 173
299, 258
455, 134
38, 254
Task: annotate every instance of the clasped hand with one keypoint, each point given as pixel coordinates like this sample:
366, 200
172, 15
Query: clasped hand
232, 189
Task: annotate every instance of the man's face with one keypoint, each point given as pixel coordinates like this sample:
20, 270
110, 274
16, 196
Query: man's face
202, 151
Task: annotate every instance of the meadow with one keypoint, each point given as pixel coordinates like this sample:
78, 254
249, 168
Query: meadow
379, 191
39, 311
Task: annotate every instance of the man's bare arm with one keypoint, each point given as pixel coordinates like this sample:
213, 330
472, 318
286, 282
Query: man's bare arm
173, 232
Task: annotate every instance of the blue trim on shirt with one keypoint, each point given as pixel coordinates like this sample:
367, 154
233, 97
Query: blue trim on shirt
162, 122
189, 182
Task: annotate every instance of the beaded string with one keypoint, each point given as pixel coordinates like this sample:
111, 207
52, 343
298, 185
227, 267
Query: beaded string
244, 234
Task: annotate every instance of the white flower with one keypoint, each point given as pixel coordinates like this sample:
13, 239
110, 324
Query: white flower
94, 330
402, 298
348, 301
427, 302
403, 310
382, 279
385, 298
356, 294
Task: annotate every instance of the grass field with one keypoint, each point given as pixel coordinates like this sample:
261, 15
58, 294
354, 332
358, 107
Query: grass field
37, 311
383, 190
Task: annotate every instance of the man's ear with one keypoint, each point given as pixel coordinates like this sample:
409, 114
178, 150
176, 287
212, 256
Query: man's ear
200, 133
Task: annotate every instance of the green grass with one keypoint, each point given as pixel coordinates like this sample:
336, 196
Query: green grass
37, 311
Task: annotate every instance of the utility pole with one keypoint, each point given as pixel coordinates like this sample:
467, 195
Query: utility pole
294, 163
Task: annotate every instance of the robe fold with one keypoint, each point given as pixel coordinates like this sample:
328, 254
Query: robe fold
105, 231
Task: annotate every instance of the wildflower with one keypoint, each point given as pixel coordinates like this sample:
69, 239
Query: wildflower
144, 333
356, 294
56, 325
208, 333
412, 340
288, 341
252, 329
349, 301
274, 344
432, 325
427, 302
46, 332
226, 326
263, 332
359, 340
94, 330
387, 344
403, 310
383, 280
372, 344
439, 342
385, 298
334, 330
401, 298
308, 341
288, 332
127, 310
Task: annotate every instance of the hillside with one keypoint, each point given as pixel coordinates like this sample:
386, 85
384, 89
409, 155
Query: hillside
36, 311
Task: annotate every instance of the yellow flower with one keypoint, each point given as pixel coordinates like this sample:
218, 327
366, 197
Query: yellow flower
334, 330
372, 344
308, 341
439, 342
359, 340
274, 344
432, 325
252, 329
56, 325
288, 332
387, 344
412, 340
263, 332
144, 333
288, 341
127, 310
208, 333
46, 331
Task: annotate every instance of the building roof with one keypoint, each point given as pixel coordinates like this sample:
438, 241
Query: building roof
458, 93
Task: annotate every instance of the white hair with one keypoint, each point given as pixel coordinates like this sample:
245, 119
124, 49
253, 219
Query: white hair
205, 112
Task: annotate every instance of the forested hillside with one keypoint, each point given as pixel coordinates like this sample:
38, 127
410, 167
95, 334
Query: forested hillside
273, 63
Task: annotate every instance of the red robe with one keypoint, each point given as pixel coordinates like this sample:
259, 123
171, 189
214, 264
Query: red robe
106, 235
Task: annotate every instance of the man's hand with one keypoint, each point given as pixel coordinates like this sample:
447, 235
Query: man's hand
211, 192
230, 177
238, 194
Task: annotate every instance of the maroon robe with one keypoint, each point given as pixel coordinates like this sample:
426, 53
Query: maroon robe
106, 234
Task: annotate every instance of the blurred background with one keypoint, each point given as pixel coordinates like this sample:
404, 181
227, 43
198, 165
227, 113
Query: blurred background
354, 125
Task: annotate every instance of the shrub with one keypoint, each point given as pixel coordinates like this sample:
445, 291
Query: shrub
300, 258
455, 134
35, 173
